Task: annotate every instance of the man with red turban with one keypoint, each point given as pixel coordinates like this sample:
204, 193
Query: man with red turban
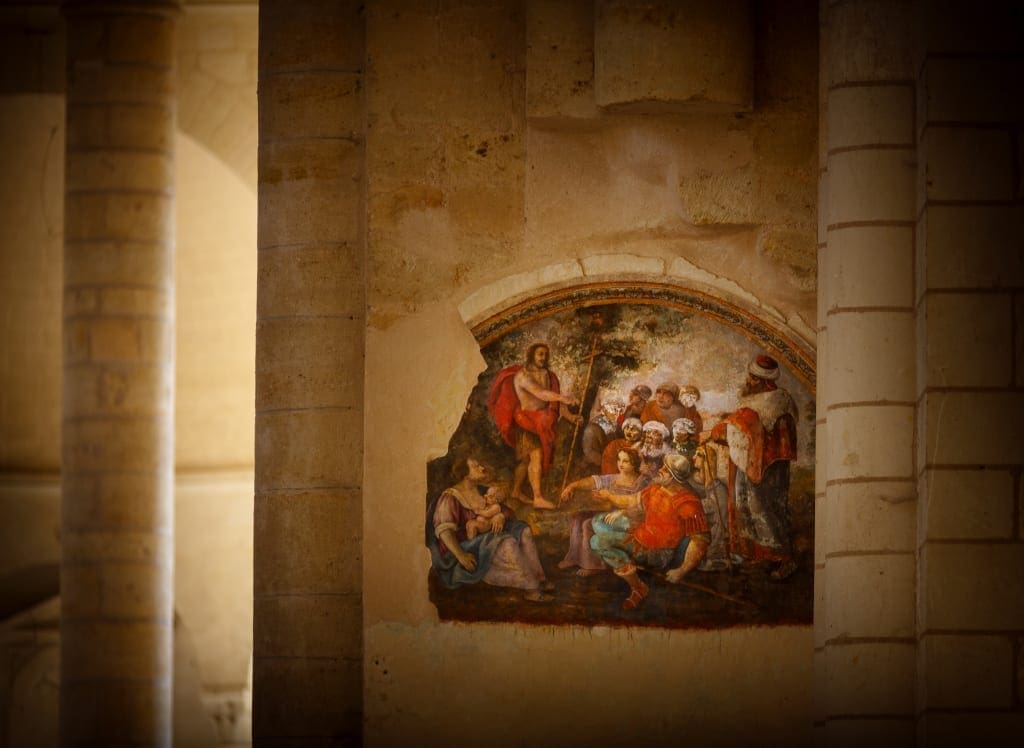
761, 437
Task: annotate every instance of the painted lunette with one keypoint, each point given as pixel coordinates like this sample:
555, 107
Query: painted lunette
798, 358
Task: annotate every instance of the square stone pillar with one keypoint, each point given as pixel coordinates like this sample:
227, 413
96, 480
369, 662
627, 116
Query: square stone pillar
308, 621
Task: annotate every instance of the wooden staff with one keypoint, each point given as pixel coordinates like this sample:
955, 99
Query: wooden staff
576, 427
702, 588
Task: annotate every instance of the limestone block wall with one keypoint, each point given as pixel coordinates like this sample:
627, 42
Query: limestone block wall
667, 56
493, 174
970, 271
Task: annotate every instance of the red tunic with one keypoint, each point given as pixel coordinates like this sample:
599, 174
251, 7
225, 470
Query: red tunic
669, 516
503, 403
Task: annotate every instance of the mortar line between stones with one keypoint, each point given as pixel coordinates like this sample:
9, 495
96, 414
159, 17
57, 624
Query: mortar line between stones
263, 73
103, 562
315, 658
979, 56
1017, 498
155, 104
130, 366
118, 286
951, 290
114, 472
966, 390
302, 245
871, 479
119, 530
856, 554
859, 309
272, 595
1007, 126
159, 622
117, 417
86, 316
144, 243
871, 147
890, 223
969, 710
144, 99
969, 541
894, 83
990, 203
308, 408
82, 150
115, 192
1001, 467
288, 317
162, 680
889, 717
305, 138
871, 404
122, 244
971, 632
258, 491
845, 641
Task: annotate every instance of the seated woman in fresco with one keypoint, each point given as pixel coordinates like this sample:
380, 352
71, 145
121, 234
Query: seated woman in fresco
503, 555
613, 488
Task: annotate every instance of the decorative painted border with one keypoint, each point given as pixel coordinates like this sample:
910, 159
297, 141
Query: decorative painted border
797, 359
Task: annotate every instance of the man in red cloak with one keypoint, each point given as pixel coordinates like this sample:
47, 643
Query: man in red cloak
761, 438
525, 402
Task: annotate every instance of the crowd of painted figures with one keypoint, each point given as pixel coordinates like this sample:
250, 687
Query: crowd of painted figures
649, 460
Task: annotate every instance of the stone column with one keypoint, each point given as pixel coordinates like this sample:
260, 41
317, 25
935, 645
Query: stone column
822, 378
865, 618
117, 523
308, 623
970, 379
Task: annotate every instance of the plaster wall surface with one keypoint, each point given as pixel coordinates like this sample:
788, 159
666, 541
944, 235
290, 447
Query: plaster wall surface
492, 175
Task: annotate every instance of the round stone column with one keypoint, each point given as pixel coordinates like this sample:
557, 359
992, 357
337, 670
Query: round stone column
864, 618
117, 515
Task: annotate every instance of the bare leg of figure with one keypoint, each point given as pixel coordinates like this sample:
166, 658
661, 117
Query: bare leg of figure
518, 478
531, 560
534, 471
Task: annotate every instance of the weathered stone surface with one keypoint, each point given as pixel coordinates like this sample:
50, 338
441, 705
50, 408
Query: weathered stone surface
690, 56
967, 504
973, 586
330, 523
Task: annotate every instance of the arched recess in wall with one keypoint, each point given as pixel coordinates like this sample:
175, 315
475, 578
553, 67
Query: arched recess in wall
728, 384
598, 279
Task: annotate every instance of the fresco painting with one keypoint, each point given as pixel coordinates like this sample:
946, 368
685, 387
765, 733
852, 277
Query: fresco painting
628, 459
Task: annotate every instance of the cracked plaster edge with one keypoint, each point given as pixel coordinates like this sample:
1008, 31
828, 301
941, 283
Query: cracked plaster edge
500, 295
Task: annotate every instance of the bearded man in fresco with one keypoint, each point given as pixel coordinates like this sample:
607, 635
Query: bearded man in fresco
761, 439
525, 402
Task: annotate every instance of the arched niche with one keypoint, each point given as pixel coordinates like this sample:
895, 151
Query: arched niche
608, 331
